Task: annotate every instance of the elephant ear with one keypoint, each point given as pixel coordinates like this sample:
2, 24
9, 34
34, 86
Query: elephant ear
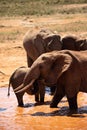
53, 42
61, 64
39, 43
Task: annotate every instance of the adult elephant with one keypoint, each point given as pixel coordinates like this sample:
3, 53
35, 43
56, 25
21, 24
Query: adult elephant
74, 43
65, 69
40, 41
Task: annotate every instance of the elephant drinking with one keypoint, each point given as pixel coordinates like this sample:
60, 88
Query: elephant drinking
65, 69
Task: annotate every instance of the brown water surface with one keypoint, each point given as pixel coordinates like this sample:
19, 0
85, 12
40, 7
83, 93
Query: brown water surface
40, 117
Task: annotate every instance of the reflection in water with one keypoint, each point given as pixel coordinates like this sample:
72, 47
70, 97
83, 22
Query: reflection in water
37, 116
2, 109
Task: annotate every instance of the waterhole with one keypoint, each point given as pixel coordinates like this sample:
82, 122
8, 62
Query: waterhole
40, 117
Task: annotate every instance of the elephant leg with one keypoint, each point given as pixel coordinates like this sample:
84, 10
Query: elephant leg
20, 99
58, 95
37, 97
73, 103
52, 89
42, 93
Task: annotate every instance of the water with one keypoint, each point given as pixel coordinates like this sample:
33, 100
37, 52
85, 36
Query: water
40, 117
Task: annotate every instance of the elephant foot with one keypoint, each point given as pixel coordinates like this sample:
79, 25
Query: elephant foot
39, 103
27, 105
73, 103
42, 100
53, 105
20, 105
37, 100
73, 109
73, 113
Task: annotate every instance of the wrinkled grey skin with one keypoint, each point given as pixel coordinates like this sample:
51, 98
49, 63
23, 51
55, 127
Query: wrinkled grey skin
16, 80
74, 43
65, 69
39, 42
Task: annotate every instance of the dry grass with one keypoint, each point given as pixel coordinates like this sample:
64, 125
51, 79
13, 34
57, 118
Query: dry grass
41, 7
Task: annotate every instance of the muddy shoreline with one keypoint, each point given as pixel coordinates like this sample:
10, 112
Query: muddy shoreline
40, 117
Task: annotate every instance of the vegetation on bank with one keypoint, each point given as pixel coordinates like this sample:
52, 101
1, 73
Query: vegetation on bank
67, 10
40, 7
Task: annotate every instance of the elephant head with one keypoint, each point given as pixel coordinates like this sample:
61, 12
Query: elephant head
53, 42
49, 67
47, 41
74, 43
39, 42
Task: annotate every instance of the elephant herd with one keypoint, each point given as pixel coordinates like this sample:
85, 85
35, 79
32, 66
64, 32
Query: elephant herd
42, 41
59, 63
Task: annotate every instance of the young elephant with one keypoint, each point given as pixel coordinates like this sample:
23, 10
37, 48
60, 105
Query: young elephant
16, 80
65, 69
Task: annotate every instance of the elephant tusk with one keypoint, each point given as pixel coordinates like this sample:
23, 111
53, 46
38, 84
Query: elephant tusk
81, 44
23, 89
18, 88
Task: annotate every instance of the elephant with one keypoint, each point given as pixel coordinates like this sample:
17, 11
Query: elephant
71, 42
16, 80
66, 69
38, 42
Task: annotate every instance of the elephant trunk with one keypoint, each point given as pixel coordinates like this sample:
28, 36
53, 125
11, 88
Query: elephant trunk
29, 80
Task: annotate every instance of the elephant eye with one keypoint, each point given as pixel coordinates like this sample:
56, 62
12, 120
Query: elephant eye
44, 58
40, 66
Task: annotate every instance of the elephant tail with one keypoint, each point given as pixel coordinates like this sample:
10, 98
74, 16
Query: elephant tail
10, 83
9, 87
